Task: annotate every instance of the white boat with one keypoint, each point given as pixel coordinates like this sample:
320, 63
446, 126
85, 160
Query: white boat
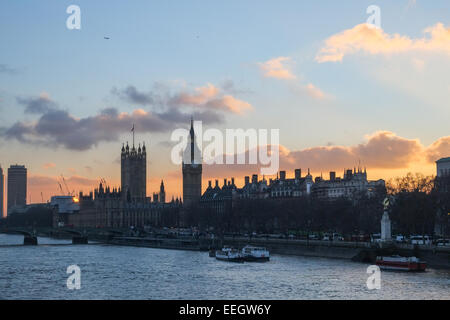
229, 254
251, 253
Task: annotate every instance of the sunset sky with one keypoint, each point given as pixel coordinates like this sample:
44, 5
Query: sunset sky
338, 90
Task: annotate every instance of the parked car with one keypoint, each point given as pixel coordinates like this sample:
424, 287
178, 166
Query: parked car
361, 238
337, 237
400, 238
375, 237
421, 240
443, 243
326, 237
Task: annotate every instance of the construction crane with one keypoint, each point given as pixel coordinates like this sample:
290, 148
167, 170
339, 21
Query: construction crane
65, 184
60, 186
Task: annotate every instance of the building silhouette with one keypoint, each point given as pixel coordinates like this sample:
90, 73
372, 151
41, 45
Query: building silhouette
17, 186
133, 172
443, 167
162, 193
192, 171
123, 207
2, 191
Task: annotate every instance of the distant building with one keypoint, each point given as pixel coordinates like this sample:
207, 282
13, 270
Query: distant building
352, 185
17, 186
2, 191
105, 208
192, 171
443, 167
133, 173
65, 204
288, 188
162, 193
219, 200
119, 207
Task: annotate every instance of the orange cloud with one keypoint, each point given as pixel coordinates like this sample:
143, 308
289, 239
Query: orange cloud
368, 39
277, 68
314, 92
438, 149
48, 165
210, 97
201, 95
382, 150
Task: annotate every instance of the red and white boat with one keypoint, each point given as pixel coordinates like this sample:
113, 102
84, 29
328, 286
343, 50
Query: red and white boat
401, 263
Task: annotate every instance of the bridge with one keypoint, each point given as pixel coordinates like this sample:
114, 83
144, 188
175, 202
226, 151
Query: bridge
29, 237
78, 236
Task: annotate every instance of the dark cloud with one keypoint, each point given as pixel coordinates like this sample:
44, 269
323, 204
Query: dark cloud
230, 87
7, 69
57, 128
131, 94
208, 97
37, 105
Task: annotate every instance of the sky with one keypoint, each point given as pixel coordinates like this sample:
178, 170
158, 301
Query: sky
341, 92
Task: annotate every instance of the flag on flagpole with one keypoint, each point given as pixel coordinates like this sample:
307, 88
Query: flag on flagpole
132, 129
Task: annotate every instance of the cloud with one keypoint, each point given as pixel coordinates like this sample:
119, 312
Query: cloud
37, 105
7, 69
229, 87
58, 128
278, 68
311, 91
131, 94
210, 97
370, 40
438, 149
380, 150
48, 165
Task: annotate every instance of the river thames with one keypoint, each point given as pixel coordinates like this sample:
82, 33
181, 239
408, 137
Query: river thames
115, 272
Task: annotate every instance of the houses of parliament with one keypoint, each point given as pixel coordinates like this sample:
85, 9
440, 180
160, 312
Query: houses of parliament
129, 205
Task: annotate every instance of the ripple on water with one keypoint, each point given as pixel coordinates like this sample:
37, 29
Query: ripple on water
112, 272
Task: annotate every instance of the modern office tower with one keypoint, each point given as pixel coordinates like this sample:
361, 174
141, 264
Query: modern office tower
2, 191
17, 186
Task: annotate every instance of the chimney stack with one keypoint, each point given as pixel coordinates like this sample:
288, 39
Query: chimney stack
298, 173
282, 175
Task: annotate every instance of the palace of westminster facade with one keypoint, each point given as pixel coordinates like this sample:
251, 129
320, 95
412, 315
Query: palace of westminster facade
129, 206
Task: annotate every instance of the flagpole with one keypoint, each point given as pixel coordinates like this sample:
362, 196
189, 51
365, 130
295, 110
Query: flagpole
133, 135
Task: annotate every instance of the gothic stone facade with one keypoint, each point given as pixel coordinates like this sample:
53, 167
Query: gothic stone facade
192, 172
134, 173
